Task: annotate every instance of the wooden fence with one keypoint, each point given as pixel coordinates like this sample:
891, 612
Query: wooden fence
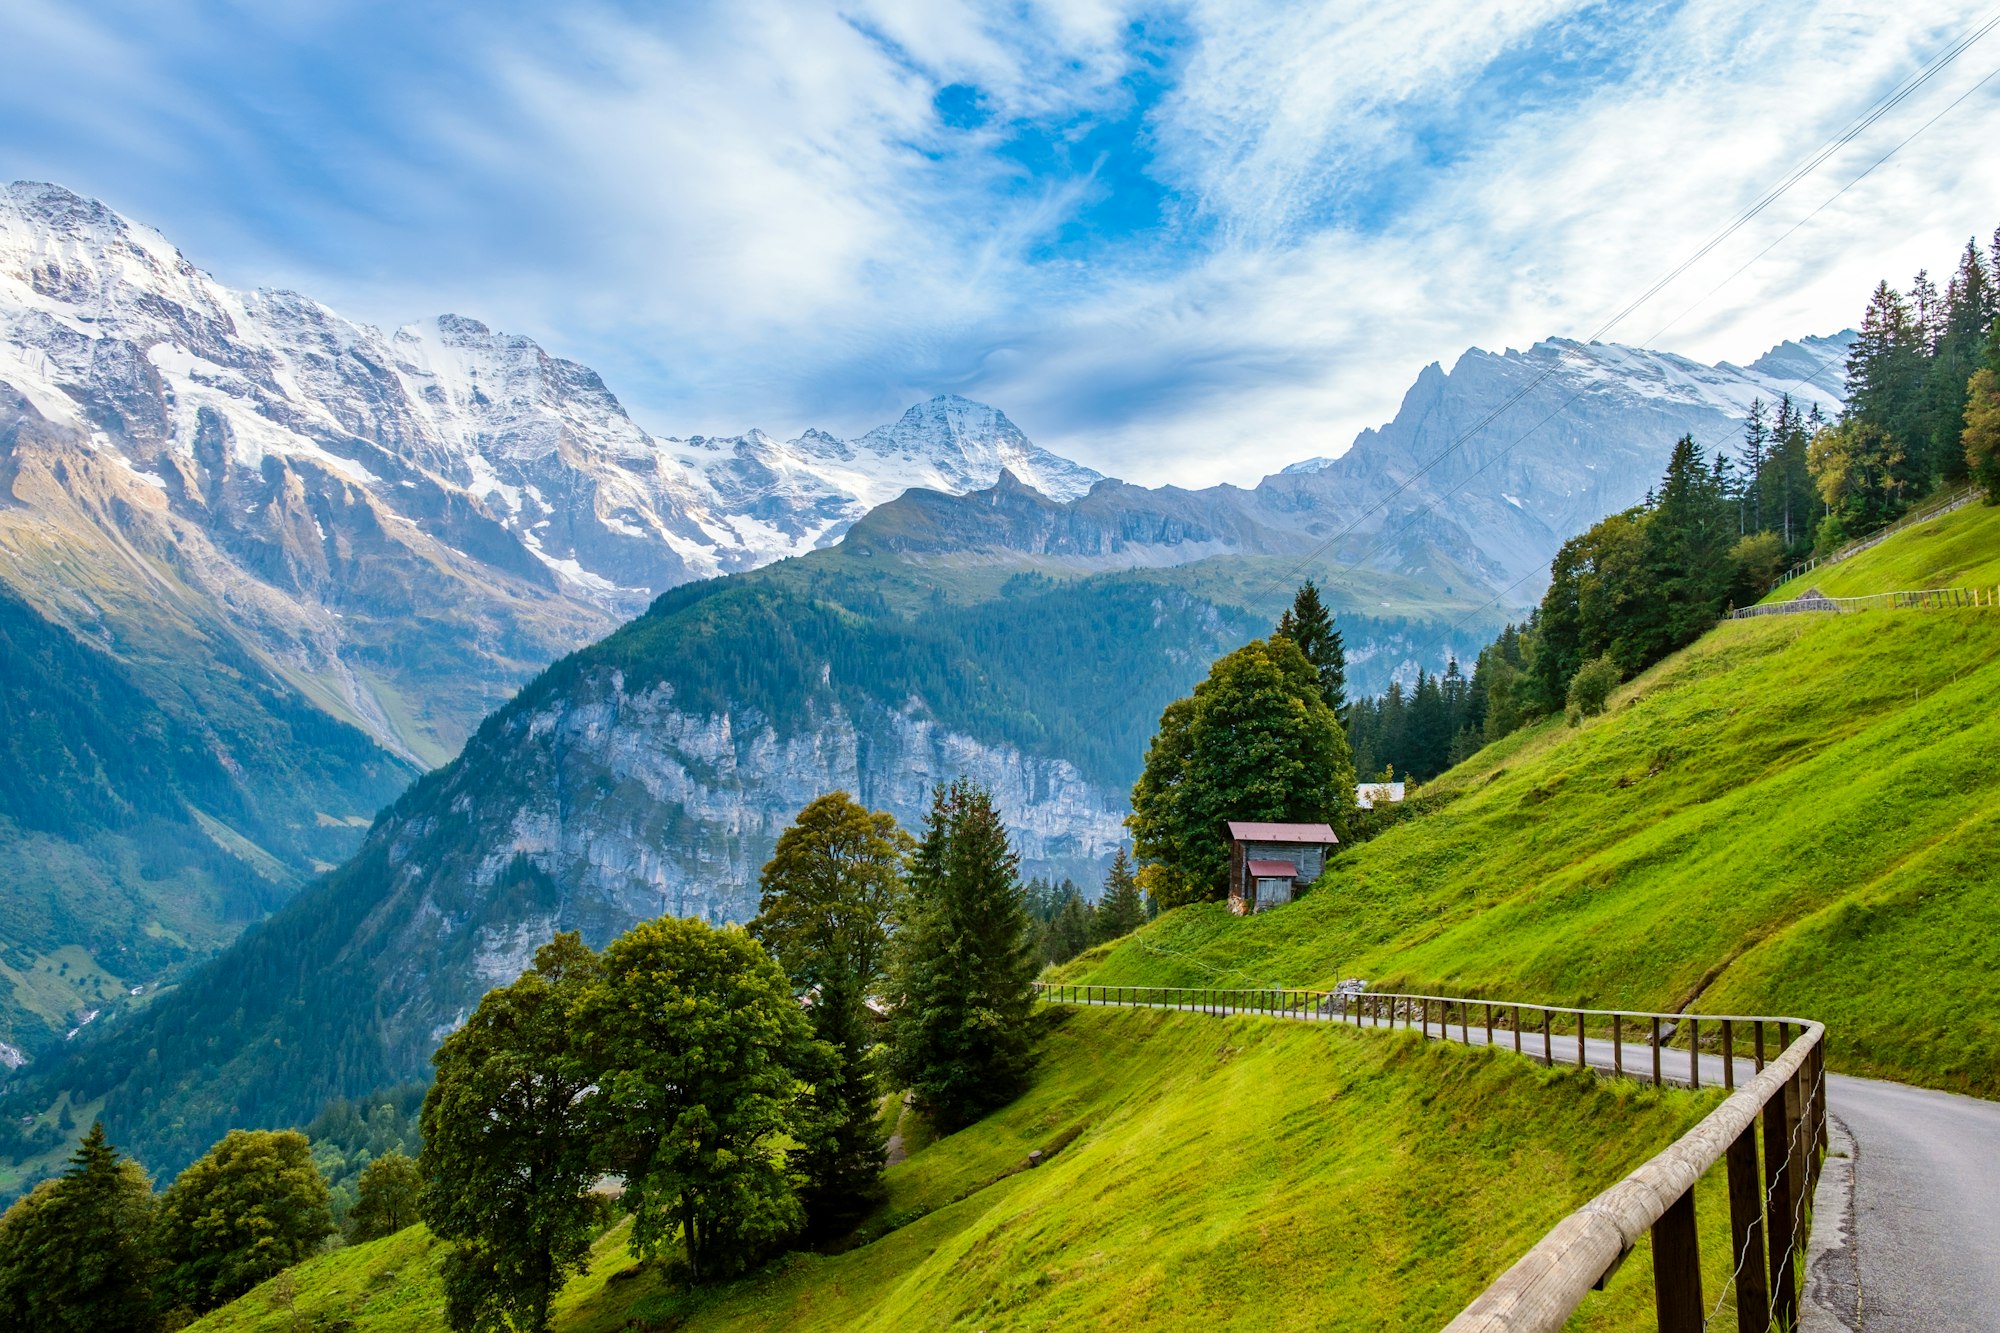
1936, 509
1931, 599
1785, 1094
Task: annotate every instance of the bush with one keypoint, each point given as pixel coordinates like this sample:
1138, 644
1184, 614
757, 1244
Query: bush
1759, 559
1590, 687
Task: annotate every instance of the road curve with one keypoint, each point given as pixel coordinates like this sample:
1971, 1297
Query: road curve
1925, 1223
1918, 1249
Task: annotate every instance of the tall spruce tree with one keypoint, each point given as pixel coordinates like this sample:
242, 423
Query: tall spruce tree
1120, 909
831, 895
961, 995
1310, 625
75, 1255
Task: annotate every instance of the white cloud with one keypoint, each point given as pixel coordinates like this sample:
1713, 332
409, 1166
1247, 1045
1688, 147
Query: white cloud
752, 214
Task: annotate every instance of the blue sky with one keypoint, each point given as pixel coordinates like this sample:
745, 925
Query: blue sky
1187, 242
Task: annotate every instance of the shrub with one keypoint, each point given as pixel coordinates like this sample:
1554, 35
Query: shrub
1590, 687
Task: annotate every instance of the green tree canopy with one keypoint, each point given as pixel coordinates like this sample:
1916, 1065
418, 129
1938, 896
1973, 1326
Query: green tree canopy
75, 1254
704, 1061
386, 1200
508, 1147
961, 994
830, 896
252, 1205
1120, 909
1981, 439
1309, 624
1254, 741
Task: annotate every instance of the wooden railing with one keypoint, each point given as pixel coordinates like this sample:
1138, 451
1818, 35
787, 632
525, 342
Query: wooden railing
1937, 508
1785, 1093
1930, 599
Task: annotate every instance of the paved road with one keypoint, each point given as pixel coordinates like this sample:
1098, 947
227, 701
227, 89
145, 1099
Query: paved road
1906, 1231
1926, 1206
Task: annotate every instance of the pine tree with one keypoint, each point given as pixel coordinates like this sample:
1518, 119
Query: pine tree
961, 999
1756, 444
830, 898
1310, 625
75, 1254
1885, 374
1120, 909
1960, 347
1073, 928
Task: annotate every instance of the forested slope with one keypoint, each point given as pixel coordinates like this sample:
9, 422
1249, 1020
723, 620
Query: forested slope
1798, 814
143, 827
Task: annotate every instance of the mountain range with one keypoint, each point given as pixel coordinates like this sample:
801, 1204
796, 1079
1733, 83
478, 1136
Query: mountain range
307, 557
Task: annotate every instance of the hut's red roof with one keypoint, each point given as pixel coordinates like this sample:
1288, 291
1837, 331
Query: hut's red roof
1273, 870
1243, 831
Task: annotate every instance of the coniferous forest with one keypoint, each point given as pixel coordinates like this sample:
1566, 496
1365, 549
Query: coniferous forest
1725, 522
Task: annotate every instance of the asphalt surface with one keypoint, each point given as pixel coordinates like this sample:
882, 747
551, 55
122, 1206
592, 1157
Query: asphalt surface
1926, 1205
1906, 1227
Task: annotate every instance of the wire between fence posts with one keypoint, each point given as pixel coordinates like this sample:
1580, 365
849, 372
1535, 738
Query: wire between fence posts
1540, 1291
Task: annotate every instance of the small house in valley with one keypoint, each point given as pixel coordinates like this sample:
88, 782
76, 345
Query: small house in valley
1268, 862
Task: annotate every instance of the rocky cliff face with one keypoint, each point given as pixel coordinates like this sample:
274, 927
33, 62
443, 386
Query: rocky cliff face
630, 806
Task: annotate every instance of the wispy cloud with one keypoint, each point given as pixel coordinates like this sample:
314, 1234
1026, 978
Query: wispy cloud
1191, 242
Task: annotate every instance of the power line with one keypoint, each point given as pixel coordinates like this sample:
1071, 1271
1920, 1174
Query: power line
1869, 117
1888, 102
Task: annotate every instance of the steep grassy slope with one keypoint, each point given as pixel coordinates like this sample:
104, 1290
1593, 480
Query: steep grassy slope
1797, 815
1959, 550
1238, 1173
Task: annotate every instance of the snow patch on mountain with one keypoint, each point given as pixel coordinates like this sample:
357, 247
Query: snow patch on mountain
387, 513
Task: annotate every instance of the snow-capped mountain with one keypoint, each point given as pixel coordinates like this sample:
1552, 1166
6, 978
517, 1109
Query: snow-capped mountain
1493, 465
404, 525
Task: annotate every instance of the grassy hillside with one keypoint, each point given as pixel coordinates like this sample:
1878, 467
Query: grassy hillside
1796, 815
1959, 550
1211, 1173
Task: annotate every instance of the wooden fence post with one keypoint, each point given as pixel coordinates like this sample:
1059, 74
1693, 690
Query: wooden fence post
1517, 1029
1489, 1022
1781, 1188
1746, 1234
1728, 1055
1656, 1052
1617, 1047
1548, 1050
1580, 1063
1694, 1052
1464, 1034
1677, 1268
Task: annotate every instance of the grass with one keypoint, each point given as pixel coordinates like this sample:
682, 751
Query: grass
1234, 1173
1959, 550
1798, 815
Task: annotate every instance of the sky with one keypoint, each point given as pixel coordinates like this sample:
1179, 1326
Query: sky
1181, 243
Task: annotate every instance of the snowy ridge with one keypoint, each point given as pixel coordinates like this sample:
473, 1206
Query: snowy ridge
324, 490
1812, 370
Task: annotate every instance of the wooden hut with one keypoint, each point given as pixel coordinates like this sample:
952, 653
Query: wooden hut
1268, 862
